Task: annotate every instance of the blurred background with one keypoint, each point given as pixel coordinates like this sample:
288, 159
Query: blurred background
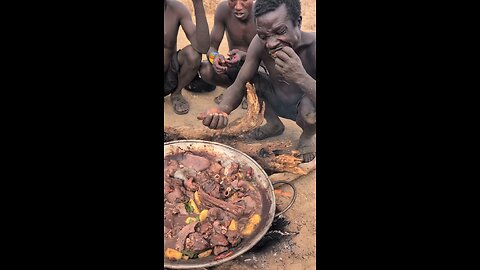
309, 10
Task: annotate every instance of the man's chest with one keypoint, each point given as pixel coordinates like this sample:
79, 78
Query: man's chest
240, 33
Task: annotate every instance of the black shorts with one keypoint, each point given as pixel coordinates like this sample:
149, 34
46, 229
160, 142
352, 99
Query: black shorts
232, 72
171, 76
266, 92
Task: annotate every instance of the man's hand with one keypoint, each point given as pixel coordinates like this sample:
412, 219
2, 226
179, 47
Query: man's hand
289, 65
219, 64
235, 56
214, 118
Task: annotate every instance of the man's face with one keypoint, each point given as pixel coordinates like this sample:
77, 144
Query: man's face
276, 30
241, 8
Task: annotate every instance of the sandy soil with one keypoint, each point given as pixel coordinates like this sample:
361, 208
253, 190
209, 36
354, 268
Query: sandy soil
293, 253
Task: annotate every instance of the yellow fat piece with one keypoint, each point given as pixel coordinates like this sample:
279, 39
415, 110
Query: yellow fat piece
205, 254
190, 220
252, 223
172, 254
203, 215
197, 198
194, 205
233, 225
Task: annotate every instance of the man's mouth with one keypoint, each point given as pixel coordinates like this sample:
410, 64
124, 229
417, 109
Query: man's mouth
238, 14
273, 51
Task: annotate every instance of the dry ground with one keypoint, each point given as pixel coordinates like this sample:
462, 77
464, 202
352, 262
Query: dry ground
298, 252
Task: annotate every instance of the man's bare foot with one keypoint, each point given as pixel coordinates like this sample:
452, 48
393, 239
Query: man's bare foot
218, 99
267, 131
307, 148
180, 104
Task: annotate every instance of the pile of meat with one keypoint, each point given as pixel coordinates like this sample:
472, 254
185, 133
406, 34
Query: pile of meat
209, 207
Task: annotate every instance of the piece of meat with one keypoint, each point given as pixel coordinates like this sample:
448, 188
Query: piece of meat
206, 229
231, 169
232, 208
248, 173
233, 238
177, 182
171, 168
218, 239
215, 168
219, 249
196, 243
250, 204
183, 234
241, 185
184, 173
180, 209
202, 177
176, 196
190, 185
212, 188
216, 214
195, 162
218, 227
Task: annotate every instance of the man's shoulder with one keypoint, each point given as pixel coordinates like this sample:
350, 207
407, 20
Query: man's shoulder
222, 11
309, 39
177, 5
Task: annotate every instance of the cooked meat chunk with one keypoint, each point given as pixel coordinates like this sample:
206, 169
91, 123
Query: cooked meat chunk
195, 162
190, 185
176, 196
196, 243
218, 240
215, 168
232, 208
183, 234
219, 249
233, 237
231, 169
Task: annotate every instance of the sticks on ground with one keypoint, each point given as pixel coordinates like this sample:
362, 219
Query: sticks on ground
265, 153
252, 119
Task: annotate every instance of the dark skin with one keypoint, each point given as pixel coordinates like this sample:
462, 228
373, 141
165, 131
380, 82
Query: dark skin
236, 18
290, 57
189, 58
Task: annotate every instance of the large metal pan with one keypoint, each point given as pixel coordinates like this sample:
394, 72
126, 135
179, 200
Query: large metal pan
227, 154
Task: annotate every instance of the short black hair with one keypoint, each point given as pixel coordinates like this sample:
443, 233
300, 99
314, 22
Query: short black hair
293, 8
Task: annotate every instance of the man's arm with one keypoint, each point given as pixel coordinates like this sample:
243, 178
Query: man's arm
218, 30
307, 83
290, 66
232, 97
217, 117
198, 35
216, 36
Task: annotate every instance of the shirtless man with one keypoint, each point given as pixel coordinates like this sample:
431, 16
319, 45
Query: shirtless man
180, 67
289, 90
237, 19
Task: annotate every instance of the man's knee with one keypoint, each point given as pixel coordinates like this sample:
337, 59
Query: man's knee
192, 57
206, 71
307, 111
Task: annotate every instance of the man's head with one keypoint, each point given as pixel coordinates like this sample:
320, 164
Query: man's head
241, 8
278, 23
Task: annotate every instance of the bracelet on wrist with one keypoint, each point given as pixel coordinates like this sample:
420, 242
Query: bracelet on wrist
212, 56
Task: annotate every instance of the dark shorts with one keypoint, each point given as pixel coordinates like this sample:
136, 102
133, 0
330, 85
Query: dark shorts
266, 91
232, 72
171, 76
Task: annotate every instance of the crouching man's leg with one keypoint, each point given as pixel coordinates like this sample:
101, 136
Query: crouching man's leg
306, 119
189, 61
273, 127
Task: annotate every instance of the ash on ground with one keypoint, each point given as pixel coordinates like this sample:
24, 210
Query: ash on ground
277, 241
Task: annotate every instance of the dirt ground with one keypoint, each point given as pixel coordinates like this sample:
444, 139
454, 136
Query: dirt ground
296, 252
